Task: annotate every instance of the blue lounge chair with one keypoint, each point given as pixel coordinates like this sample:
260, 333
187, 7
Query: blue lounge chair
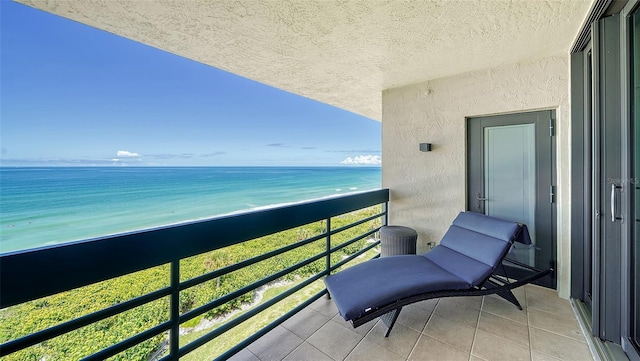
465, 263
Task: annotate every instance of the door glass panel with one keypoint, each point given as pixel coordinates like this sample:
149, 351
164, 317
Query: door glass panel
510, 179
635, 181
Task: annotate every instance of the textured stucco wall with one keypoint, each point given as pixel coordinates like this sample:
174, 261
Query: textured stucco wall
428, 189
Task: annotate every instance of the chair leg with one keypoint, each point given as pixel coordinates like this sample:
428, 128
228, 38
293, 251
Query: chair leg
509, 296
389, 319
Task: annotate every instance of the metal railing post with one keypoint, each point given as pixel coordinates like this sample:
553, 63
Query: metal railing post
328, 270
328, 231
386, 213
174, 333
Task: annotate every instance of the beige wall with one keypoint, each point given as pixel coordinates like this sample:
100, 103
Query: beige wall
428, 189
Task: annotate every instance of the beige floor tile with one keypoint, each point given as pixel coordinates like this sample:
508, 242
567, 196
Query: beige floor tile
335, 340
565, 326
474, 302
494, 348
520, 294
276, 344
458, 313
531, 288
503, 327
413, 317
430, 349
561, 347
498, 306
362, 330
545, 299
427, 305
476, 358
538, 356
450, 332
401, 340
325, 306
305, 322
306, 352
244, 355
369, 351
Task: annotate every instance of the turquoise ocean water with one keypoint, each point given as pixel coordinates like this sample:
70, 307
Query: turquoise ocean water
42, 206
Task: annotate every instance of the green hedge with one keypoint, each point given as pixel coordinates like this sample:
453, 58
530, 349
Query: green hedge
37, 315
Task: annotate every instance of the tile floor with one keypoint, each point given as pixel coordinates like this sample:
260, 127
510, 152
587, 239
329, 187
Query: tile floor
469, 329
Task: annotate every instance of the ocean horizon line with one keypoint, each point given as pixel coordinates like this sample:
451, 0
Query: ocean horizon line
192, 166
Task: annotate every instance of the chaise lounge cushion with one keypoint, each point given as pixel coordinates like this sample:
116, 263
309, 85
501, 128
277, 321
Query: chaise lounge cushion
467, 255
395, 277
473, 246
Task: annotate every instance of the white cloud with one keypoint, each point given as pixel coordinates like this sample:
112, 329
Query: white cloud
363, 160
126, 153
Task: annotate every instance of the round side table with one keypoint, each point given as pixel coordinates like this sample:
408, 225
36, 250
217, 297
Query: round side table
397, 240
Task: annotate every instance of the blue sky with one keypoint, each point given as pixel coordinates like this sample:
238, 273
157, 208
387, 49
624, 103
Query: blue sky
71, 95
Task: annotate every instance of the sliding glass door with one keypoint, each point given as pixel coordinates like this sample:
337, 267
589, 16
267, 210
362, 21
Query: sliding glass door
606, 178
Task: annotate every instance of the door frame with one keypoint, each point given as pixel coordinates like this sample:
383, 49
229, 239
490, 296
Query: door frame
633, 351
546, 188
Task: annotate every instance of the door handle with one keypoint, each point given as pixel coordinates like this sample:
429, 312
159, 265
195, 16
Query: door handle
481, 199
614, 218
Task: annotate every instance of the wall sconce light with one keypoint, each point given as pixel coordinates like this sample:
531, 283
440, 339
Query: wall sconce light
425, 147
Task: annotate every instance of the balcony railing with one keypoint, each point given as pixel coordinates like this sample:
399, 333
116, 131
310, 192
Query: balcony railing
33, 275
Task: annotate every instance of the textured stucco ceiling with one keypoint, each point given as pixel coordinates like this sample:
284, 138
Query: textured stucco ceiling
341, 52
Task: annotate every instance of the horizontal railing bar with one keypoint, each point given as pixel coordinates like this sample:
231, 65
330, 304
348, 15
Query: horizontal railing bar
130, 342
353, 240
248, 262
226, 327
60, 329
35, 273
354, 256
230, 296
221, 272
249, 340
354, 224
